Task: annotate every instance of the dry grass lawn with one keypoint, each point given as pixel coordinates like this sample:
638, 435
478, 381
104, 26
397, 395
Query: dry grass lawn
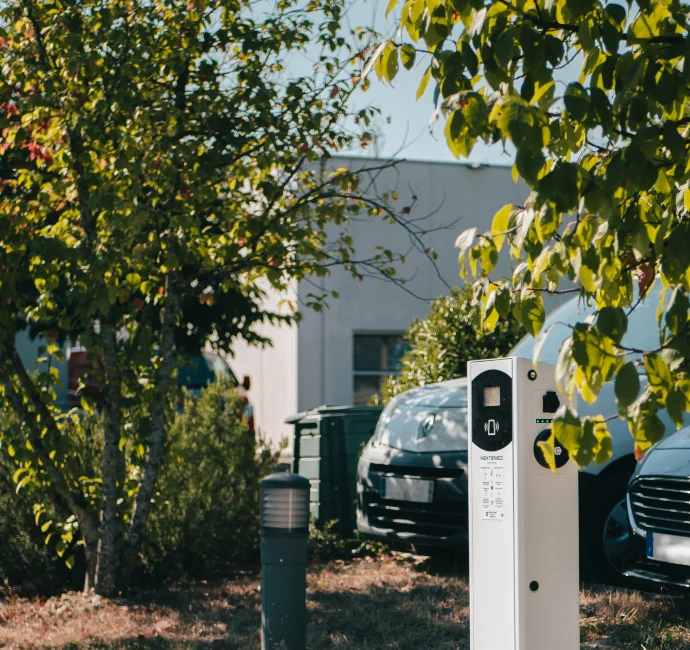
397, 603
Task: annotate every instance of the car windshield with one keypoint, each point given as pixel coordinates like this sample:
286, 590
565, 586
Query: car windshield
643, 330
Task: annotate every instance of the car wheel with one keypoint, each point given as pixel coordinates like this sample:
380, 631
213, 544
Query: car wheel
606, 534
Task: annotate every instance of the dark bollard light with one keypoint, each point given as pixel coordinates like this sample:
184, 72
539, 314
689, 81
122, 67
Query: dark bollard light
284, 537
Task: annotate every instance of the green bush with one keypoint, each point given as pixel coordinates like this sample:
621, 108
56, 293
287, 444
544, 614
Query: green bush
207, 504
27, 563
442, 343
207, 510
325, 544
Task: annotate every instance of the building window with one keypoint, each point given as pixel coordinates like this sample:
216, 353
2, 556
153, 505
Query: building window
376, 357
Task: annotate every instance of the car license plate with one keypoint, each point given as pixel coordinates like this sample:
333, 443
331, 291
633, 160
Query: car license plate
668, 548
407, 489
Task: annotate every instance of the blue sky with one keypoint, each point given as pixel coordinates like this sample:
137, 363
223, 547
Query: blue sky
407, 135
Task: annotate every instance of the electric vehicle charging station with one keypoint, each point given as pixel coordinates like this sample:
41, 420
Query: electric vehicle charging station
524, 563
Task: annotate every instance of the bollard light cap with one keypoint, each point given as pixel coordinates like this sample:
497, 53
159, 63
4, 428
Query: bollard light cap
285, 503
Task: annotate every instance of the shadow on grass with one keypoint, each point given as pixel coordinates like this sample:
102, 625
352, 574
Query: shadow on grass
421, 616
422, 613
452, 565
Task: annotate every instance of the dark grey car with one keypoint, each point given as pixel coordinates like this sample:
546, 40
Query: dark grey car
659, 508
420, 442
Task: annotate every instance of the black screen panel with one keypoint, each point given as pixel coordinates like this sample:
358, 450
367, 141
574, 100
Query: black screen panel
492, 410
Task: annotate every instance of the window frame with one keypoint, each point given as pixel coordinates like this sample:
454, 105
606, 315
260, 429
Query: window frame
383, 334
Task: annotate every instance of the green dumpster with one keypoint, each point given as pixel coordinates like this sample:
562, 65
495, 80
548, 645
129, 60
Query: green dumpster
328, 442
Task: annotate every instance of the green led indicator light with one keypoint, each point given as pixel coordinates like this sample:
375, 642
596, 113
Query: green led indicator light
544, 420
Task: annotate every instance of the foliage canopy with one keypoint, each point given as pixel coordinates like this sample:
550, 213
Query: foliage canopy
159, 168
593, 97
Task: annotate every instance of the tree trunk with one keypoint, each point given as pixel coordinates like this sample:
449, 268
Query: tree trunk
91, 552
157, 434
107, 560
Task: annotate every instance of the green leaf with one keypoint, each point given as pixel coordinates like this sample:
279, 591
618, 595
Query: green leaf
391, 63
612, 322
390, 7
576, 101
603, 443
532, 315
386, 66
87, 405
676, 406
457, 134
561, 186
490, 319
373, 61
407, 56
503, 302
423, 83
499, 225
548, 449
567, 428
476, 114
658, 374
647, 429
627, 385
677, 311
413, 14
505, 49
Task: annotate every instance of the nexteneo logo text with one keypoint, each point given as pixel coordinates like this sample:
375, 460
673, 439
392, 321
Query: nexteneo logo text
491, 457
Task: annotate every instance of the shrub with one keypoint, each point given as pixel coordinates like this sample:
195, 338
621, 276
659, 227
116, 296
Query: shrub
207, 511
325, 544
442, 343
27, 563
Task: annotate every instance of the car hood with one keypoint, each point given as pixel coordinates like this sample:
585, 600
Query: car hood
449, 394
666, 462
670, 457
428, 419
678, 440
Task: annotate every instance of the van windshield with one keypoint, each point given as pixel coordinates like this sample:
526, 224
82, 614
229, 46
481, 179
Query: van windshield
643, 330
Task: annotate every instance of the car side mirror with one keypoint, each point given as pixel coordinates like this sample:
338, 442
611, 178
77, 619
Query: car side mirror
247, 382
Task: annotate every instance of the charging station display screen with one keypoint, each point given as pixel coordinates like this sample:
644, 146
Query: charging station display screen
492, 410
492, 396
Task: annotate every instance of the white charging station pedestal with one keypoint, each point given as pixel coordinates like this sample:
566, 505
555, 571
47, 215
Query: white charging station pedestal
524, 563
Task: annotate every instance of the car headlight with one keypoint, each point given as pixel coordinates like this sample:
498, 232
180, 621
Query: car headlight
384, 419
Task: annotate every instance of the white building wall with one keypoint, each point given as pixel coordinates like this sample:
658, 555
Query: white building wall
312, 365
451, 198
273, 371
